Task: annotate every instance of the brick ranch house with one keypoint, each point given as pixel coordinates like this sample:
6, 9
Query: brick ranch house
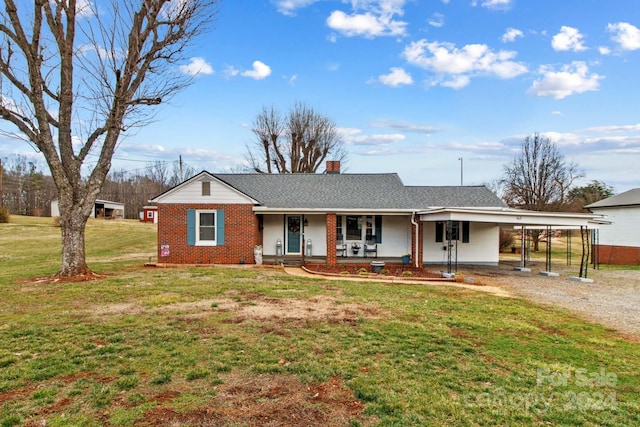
221, 218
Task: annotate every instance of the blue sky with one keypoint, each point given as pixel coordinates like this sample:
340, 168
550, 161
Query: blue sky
413, 85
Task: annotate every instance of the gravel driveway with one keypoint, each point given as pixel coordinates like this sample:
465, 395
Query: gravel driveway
613, 299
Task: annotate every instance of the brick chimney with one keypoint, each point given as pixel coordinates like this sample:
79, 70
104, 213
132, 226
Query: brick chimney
333, 166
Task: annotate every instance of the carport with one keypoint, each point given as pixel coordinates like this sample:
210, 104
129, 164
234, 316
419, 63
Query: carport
523, 220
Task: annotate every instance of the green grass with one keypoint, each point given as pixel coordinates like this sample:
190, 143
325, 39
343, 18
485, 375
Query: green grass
109, 352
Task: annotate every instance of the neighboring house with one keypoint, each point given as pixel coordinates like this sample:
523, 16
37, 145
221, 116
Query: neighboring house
220, 218
149, 214
619, 242
101, 209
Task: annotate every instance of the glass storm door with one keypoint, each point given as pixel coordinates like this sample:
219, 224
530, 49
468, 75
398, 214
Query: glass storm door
294, 235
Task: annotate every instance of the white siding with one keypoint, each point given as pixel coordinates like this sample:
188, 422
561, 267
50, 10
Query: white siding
624, 229
317, 232
272, 231
483, 246
192, 193
396, 235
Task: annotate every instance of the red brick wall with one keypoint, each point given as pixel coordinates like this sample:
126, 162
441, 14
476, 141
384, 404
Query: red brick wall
332, 258
241, 234
417, 248
617, 255
333, 166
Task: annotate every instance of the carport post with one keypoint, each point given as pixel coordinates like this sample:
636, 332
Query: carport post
523, 261
547, 261
522, 253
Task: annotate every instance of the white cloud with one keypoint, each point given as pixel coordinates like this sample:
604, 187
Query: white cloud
615, 128
10, 104
493, 4
570, 80
86, 49
292, 79
604, 50
196, 67
398, 76
436, 20
289, 7
370, 18
626, 35
461, 64
84, 8
568, 38
405, 127
259, 71
456, 82
230, 71
352, 136
511, 35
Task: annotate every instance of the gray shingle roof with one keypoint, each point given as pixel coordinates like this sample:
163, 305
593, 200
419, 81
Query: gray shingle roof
353, 191
322, 191
454, 197
628, 198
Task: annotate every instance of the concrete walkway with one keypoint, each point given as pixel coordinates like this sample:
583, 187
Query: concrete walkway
494, 290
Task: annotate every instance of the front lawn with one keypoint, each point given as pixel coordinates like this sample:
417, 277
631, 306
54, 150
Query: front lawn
248, 346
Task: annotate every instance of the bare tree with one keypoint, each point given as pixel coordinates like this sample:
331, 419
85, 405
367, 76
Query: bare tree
75, 75
539, 178
297, 143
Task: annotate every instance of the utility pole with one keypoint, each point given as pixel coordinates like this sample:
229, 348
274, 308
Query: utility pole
181, 174
461, 172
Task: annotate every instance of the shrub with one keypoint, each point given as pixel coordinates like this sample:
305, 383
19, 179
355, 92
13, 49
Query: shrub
4, 215
344, 273
384, 271
407, 273
507, 239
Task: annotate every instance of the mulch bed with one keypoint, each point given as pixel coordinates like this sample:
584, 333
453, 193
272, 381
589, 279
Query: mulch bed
394, 270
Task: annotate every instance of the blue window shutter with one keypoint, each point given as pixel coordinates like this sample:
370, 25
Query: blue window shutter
191, 227
378, 228
220, 227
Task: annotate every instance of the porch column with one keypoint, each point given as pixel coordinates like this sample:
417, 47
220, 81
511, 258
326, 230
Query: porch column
332, 258
417, 248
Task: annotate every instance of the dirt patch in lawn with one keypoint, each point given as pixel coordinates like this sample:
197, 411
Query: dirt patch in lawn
268, 400
253, 305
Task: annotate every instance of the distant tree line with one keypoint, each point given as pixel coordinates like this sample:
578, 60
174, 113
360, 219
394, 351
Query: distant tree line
27, 190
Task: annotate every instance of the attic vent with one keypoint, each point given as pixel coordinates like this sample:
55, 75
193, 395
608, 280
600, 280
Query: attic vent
206, 188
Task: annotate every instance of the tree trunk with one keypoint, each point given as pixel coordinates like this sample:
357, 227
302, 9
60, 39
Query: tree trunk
73, 247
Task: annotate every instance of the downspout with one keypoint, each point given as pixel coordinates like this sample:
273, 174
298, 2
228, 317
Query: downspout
415, 224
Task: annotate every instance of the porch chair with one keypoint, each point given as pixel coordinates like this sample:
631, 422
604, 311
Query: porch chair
370, 246
341, 246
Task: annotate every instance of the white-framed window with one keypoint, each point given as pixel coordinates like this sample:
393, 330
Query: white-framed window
354, 227
206, 228
149, 214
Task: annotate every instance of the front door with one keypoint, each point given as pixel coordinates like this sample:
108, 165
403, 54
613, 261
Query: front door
294, 234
